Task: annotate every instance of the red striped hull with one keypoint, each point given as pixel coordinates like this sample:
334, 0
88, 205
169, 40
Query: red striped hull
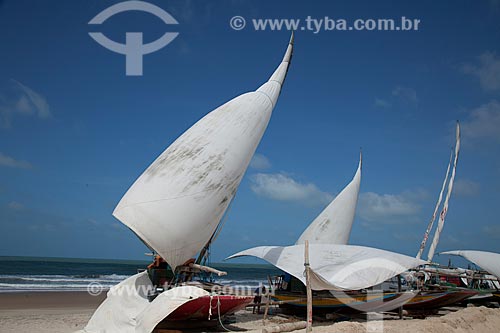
207, 308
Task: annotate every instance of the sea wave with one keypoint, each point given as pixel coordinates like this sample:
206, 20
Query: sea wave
56, 282
80, 282
64, 278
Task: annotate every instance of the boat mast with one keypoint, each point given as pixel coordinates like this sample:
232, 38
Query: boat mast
442, 216
276, 77
431, 222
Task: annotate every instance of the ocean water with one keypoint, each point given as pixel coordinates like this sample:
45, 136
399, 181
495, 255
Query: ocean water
65, 274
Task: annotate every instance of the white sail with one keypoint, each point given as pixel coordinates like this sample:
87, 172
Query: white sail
442, 216
334, 224
433, 218
488, 261
336, 267
127, 308
177, 203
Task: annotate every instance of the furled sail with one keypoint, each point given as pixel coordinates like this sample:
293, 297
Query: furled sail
444, 211
334, 224
433, 218
336, 267
489, 261
177, 203
127, 308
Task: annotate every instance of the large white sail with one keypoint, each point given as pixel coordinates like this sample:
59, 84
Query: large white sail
334, 224
433, 218
489, 261
336, 267
177, 203
444, 211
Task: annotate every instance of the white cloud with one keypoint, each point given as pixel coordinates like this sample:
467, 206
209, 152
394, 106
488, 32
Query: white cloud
389, 208
284, 188
405, 94
13, 163
406, 236
382, 103
260, 162
14, 205
492, 231
487, 71
117, 226
38, 102
400, 96
92, 221
22, 100
466, 188
483, 122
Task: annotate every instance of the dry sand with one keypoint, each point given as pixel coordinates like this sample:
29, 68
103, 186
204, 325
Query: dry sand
44, 312
66, 312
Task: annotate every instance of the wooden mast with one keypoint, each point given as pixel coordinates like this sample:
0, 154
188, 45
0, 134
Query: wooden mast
308, 287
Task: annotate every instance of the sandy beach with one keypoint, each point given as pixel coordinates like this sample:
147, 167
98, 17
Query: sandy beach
66, 312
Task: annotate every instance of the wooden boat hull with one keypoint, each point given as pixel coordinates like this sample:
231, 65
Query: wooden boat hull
364, 302
484, 296
207, 308
426, 300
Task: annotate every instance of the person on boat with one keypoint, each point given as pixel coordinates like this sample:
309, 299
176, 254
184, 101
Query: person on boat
184, 272
257, 300
158, 271
285, 281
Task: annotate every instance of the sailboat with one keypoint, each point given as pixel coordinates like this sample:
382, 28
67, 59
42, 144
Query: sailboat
338, 271
487, 282
489, 261
176, 207
435, 296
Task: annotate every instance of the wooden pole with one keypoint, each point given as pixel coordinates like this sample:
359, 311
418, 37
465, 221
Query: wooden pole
266, 311
399, 291
308, 288
287, 327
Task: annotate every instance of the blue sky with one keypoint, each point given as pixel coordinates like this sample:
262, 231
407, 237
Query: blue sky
75, 132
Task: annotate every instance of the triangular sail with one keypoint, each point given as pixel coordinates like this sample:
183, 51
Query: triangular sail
433, 218
336, 267
175, 206
334, 224
444, 211
489, 261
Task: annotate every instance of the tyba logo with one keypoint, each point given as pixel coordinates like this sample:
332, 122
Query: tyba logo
133, 49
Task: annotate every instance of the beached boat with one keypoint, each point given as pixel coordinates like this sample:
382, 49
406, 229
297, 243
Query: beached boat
444, 210
489, 261
486, 283
336, 266
289, 292
443, 296
430, 296
357, 301
176, 207
430, 300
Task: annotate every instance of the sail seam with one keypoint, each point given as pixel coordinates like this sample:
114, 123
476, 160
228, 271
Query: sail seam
165, 199
270, 100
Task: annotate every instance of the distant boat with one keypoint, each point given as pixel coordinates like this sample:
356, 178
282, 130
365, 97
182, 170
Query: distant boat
487, 282
488, 261
176, 206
